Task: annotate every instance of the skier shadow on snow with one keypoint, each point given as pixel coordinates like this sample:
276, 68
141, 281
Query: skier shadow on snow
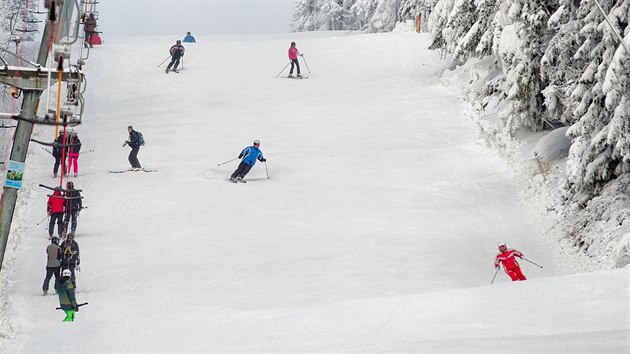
217, 174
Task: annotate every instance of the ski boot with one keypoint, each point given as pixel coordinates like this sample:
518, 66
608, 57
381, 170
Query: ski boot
167, 70
240, 179
298, 76
290, 76
232, 179
45, 293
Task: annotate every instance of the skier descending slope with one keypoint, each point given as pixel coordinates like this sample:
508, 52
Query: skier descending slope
177, 51
249, 156
511, 266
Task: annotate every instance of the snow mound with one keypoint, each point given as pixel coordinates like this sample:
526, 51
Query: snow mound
553, 146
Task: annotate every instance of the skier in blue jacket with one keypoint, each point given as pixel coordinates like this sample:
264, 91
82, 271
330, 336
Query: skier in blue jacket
189, 38
249, 155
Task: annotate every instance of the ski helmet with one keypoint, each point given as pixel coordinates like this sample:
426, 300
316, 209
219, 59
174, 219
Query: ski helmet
501, 244
66, 273
179, 42
70, 185
55, 239
70, 236
256, 142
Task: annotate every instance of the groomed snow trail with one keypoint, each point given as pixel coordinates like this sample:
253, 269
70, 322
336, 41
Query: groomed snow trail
376, 231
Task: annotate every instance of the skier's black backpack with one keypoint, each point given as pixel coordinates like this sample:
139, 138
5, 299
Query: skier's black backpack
140, 139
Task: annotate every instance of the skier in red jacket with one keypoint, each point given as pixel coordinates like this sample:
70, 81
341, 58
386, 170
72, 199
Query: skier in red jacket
56, 208
507, 257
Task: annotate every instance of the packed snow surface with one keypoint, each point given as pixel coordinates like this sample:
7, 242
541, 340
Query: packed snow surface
375, 232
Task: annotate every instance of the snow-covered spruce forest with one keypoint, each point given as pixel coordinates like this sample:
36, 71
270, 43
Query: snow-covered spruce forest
533, 67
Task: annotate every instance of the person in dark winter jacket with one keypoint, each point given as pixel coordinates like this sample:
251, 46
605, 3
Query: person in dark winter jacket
53, 262
73, 152
70, 256
249, 155
134, 144
67, 300
56, 208
90, 28
57, 151
177, 52
73, 206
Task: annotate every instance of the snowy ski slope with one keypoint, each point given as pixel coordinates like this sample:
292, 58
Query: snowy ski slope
375, 233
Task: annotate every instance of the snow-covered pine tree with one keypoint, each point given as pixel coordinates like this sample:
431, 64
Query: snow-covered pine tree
362, 11
319, 15
560, 70
598, 151
384, 17
408, 10
523, 78
438, 21
470, 44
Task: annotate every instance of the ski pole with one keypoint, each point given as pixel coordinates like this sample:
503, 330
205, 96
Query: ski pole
537, 265
495, 275
305, 63
46, 218
48, 151
85, 152
266, 170
283, 69
223, 163
78, 305
167, 58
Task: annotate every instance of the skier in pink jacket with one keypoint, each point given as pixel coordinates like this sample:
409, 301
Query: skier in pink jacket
293, 56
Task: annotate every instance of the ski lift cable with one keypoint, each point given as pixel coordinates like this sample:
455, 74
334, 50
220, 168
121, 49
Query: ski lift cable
623, 43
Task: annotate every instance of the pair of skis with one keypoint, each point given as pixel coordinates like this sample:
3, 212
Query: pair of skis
140, 170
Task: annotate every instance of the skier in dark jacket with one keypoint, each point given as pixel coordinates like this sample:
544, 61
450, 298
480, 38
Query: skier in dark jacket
73, 206
249, 155
90, 28
56, 208
67, 301
70, 256
53, 262
73, 152
134, 144
177, 51
57, 151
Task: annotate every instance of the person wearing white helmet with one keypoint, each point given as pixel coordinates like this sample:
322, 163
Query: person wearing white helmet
507, 257
249, 155
67, 300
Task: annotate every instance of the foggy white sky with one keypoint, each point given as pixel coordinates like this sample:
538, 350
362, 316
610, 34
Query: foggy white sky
201, 17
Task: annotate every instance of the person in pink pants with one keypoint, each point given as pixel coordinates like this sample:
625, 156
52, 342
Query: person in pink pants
73, 152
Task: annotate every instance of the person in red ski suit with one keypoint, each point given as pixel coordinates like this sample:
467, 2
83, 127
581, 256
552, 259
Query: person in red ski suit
56, 209
508, 258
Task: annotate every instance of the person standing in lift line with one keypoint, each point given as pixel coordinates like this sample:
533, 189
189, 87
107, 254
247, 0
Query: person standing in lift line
510, 265
73, 152
293, 57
